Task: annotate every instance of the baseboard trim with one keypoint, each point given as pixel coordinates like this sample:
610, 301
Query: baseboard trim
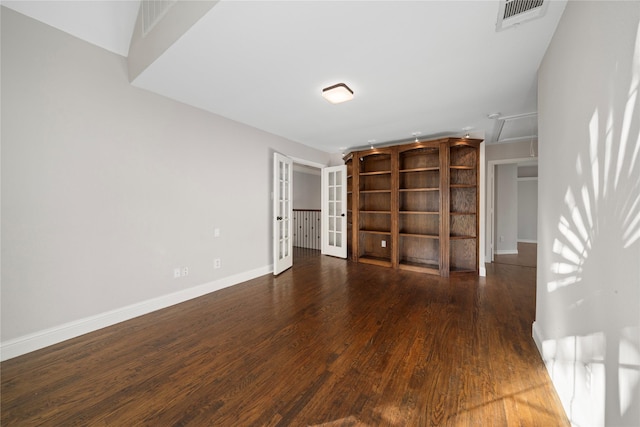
482, 272
527, 241
35, 341
537, 337
507, 252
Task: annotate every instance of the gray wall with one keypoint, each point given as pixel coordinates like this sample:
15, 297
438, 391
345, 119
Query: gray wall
588, 287
511, 150
107, 188
506, 209
527, 210
306, 190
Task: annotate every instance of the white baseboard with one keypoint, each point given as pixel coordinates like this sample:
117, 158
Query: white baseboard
483, 271
35, 341
527, 241
537, 337
507, 252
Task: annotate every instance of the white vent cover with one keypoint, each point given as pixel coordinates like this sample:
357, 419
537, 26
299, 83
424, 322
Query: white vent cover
153, 11
515, 12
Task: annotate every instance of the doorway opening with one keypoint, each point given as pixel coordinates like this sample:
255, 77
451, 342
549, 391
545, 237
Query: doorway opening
513, 212
307, 207
325, 227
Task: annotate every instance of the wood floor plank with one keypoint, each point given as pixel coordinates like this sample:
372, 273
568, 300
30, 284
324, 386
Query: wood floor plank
327, 343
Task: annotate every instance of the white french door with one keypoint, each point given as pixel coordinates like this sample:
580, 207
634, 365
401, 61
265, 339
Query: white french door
334, 211
282, 213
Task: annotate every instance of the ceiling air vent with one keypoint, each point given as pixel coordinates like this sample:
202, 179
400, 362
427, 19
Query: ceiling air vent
515, 12
153, 11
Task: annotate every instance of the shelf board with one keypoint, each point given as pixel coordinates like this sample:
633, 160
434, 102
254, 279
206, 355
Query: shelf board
462, 213
375, 173
375, 191
462, 186
419, 213
385, 262
375, 212
406, 190
422, 236
432, 268
374, 232
461, 237
462, 167
435, 168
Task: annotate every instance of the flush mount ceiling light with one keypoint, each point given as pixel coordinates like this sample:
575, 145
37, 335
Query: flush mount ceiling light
337, 93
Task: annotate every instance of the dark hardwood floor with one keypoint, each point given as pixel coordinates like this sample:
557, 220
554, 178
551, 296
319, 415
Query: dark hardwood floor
527, 256
328, 343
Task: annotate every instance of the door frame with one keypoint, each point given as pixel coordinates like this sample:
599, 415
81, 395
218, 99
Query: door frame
488, 249
305, 162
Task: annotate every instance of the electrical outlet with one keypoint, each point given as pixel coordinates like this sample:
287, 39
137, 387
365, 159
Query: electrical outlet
216, 263
185, 271
176, 273
384, 243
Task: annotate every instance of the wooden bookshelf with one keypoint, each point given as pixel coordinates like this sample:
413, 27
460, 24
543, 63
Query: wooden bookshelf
414, 206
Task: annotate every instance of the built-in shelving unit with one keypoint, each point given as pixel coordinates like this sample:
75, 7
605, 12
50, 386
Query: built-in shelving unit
375, 185
419, 207
414, 206
463, 228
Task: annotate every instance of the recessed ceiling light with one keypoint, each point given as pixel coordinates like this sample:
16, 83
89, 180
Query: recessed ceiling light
493, 116
337, 93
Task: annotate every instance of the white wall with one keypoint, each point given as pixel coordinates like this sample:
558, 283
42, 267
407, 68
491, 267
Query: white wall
306, 190
506, 209
106, 188
588, 287
527, 210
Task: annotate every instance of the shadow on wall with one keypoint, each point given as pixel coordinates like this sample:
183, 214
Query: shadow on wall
597, 351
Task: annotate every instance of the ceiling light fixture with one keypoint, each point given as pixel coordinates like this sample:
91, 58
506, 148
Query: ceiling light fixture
337, 93
466, 130
415, 135
493, 116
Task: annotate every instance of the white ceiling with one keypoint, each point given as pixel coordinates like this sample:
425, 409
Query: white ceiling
434, 67
105, 23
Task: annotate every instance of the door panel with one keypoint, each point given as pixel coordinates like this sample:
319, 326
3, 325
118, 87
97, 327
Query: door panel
334, 211
282, 214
